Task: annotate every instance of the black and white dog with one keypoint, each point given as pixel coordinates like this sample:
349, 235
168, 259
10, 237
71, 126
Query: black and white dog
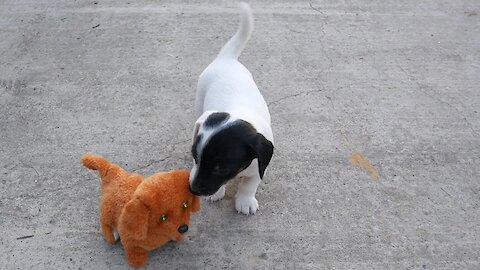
232, 137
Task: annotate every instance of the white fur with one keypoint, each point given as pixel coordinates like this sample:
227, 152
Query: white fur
218, 195
227, 86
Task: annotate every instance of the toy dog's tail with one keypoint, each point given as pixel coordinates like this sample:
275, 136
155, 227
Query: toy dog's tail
106, 169
236, 44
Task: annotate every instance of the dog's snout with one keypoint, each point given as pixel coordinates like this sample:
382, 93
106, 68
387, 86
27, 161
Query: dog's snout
195, 192
183, 228
199, 190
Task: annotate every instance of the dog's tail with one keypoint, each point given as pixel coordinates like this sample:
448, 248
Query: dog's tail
236, 44
107, 170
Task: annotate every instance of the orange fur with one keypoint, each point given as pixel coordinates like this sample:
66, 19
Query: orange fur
133, 205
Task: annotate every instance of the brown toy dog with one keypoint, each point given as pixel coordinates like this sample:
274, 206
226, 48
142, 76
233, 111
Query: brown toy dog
146, 212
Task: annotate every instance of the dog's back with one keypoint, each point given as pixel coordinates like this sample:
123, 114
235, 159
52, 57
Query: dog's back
117, 190
226, 84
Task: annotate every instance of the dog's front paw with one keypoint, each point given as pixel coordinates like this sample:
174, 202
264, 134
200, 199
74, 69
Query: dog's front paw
218, 195
246, 205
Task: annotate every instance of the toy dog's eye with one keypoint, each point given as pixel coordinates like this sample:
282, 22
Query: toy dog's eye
163, 218
185, 205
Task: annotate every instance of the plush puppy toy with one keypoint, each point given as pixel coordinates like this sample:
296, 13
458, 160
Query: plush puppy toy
146, 212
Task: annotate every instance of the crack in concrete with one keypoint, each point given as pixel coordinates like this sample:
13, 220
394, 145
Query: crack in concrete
312, 7
30, 167
322, 30
45, 192
151, 163
330, 60
294, 95
446, 192
181, 142
469, 124
422, 89
339, 124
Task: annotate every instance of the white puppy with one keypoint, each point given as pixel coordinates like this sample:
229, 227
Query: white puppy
232, 136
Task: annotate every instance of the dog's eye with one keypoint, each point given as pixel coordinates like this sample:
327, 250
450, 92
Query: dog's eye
163, 218
185, 205
217, 170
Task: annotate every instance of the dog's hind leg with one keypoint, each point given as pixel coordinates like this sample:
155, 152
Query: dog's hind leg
107, 231
245, 201
106, 221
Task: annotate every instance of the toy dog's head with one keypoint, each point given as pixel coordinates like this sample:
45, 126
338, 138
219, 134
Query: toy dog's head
160, 208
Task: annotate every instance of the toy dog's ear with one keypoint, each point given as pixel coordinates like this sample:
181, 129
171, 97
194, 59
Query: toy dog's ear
134, 219
195, 204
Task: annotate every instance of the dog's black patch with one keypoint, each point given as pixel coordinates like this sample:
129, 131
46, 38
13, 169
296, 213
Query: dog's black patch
216, 119
228, 152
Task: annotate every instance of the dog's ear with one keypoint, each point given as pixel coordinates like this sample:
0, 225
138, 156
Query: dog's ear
134, 219
263, 150
195, 204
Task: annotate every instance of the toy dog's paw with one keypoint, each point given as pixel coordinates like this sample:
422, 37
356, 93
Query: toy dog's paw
246, 205
136, 256
116, 236
180, 237
218, 195
108, 234
109, 239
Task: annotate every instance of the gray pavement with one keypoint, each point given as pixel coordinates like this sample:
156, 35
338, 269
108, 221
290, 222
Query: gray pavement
395, 81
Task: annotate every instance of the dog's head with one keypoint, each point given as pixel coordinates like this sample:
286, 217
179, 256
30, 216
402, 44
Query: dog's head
222, 148
160, 207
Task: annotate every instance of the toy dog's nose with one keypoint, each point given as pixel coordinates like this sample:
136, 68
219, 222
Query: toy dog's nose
183, 228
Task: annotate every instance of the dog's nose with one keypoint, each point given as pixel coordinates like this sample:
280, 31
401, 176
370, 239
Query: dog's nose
194, 192
183, 228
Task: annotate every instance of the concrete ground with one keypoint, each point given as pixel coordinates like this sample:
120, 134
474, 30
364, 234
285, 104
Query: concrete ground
356, 88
